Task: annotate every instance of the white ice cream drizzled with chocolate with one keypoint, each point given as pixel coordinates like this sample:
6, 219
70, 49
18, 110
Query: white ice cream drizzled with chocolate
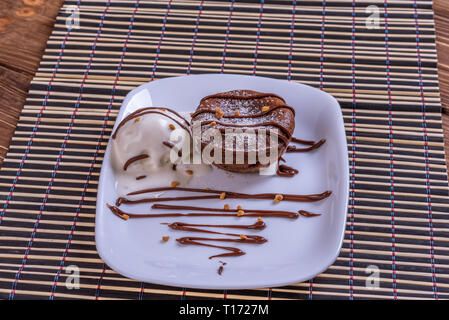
146, 150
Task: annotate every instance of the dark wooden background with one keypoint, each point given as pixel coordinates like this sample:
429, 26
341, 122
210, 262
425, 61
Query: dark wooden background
25, 26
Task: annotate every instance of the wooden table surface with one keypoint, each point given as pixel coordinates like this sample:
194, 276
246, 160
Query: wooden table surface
25, 26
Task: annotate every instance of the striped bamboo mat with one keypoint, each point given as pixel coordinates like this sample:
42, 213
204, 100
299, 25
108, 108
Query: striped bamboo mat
383, 72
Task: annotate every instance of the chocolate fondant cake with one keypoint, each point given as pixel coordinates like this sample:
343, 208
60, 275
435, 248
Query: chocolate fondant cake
246, 110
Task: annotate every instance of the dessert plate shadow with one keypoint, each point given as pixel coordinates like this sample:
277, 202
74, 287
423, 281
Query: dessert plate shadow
296, 250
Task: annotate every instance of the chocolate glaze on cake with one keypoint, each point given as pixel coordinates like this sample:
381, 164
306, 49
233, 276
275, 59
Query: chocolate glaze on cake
246, 109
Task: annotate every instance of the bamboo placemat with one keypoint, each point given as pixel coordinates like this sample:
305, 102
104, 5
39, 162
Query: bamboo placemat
385, 79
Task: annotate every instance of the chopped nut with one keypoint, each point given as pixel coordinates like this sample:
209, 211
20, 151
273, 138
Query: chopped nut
239, 207
213, 123
259, 219
218, 113
237, 113
243, 237
125, 216
226, 206
136, 120
265, 108
175, 184
165, 238
207, 188
189, 172
278, 198
240, 213
222, 195
172, 126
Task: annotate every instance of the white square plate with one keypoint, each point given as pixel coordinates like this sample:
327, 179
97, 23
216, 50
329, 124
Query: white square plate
297, 250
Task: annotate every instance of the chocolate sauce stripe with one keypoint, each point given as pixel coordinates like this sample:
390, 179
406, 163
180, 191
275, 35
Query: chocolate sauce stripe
291, 197
186, 227
286, 171
228, 194
194, 241
134, 159
254, 239
245, 116
278, 213
246, 239
312, 147
258, 225
143, 111
252, 213
239, 238
168, 144
122, 200
255, 95
300, 141
220, 270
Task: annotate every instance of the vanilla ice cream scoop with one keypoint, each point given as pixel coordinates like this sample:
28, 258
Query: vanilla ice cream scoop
146, 150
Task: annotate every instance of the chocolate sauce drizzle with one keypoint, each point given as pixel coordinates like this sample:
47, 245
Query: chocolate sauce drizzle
312, 147
247, 212
168, 144
216, 195
186, 227
300, 141
134, 159
258, 225
207, 212
253, 95
288, 197
286, 171
220, 269
247, 116
234, 251
238, 237
138, 113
